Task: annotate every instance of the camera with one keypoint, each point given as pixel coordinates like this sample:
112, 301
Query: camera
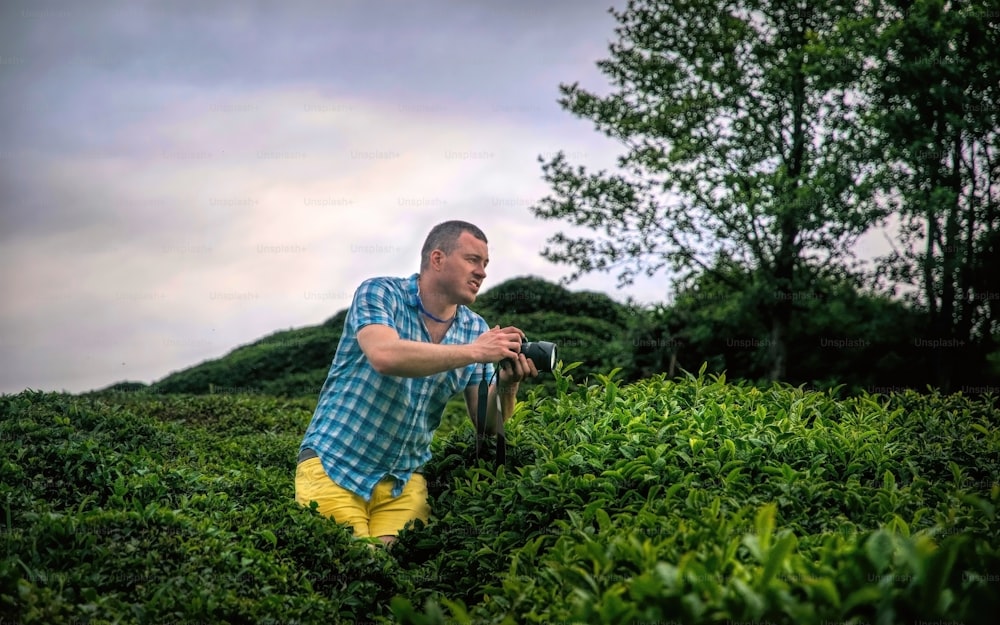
542, 353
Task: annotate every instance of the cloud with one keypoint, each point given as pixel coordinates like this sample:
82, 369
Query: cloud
223, 217
181, 178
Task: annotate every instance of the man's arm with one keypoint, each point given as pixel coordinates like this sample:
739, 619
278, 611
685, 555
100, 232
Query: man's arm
391, 355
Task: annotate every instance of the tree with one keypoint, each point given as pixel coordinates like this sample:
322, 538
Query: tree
740, 147
844, 336
937, 86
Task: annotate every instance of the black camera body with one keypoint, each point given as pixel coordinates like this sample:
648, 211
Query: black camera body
542, 353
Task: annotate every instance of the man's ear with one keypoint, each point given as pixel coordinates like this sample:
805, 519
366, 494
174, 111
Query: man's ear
437, 257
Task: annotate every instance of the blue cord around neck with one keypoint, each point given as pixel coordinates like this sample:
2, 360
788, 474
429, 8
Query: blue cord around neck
420, 303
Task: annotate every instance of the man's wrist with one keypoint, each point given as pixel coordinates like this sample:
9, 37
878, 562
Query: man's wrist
507, 388
472, 354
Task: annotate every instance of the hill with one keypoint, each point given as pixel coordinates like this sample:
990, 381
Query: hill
587, 327
845, 339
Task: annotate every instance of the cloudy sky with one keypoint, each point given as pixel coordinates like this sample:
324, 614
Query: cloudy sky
178, 179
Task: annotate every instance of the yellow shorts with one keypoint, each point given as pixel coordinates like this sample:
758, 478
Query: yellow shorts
384, 515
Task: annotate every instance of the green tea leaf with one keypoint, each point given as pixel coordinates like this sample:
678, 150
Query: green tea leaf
269, 536
888, 481
776, 558
866, 595
764, 526
879, 548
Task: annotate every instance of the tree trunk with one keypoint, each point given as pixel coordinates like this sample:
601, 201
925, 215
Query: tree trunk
787, 256
779, 348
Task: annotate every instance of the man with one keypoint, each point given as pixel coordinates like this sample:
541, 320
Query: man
409, 344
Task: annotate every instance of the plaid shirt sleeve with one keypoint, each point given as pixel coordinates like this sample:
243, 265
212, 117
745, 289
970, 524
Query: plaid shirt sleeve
374, 303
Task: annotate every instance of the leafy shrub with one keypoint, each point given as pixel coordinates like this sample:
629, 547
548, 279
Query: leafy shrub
700, 501
690, 500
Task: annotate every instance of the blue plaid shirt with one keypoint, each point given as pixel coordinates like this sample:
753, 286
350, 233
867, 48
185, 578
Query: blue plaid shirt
366, 425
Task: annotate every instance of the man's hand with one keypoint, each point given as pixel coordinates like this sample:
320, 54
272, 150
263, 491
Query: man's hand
513, 371
498, 343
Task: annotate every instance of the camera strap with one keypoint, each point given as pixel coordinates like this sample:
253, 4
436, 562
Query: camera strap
484, 394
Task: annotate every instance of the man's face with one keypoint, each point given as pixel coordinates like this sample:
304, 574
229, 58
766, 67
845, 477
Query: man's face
463, 271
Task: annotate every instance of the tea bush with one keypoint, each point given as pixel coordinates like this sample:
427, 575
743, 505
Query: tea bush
693, 500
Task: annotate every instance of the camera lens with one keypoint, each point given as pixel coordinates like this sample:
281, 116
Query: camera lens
542, 353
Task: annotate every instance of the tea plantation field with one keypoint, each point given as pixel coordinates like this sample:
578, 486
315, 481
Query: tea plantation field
693, 500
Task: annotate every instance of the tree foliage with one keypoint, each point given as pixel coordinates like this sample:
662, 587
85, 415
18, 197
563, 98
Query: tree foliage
840, 335
739, 147
935, 83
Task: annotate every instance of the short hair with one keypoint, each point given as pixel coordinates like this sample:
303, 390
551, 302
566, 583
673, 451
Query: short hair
444, 237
